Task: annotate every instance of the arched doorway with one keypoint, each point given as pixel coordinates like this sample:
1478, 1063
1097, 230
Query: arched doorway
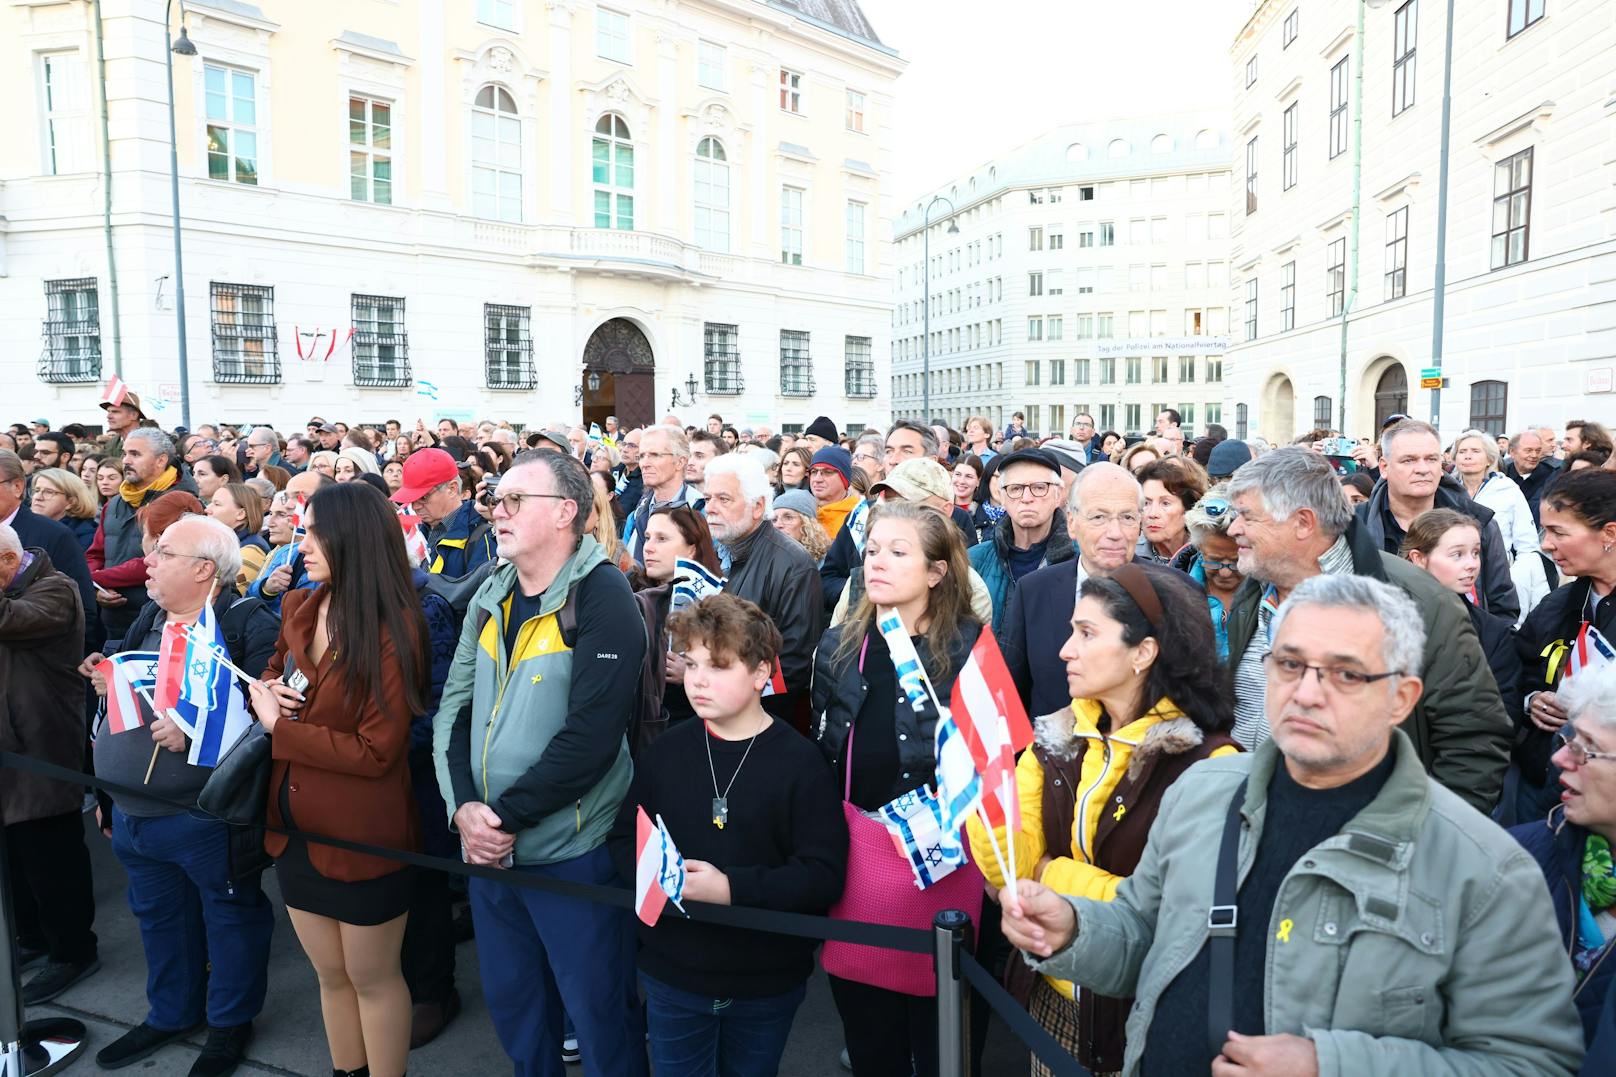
1279, 410
619, 358
1391, 394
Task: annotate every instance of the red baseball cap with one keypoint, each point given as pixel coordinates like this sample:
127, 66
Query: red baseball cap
424, 470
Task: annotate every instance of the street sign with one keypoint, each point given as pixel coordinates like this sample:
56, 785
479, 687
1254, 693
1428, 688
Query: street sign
1427, 373
1431, 383
1599, 381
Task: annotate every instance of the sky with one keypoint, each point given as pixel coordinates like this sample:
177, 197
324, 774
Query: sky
984, 78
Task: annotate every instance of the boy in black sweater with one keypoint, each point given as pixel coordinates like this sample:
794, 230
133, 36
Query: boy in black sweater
755, 811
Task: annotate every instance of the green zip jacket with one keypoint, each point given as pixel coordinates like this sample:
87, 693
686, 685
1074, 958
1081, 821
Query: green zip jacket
1421, 938
538, 734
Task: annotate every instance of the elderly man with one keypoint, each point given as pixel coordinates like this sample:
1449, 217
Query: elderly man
117, 563
1104, 512
1529, 470
55, 538
1411, 483
42, 717
1321, 906
459, 541
263, 450
1031, 534
196, 447
705, 447
664, 454
769, 570
539, 797
205, 926
630, 484
1290, 524
283, 569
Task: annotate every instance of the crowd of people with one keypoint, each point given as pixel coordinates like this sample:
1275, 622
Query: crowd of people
1323, 777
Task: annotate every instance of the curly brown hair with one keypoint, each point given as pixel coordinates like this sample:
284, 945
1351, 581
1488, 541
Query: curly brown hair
730, 628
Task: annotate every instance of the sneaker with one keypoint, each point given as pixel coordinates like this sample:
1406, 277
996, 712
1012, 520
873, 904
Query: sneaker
429, 1019
56, 977
223, 1052
569, 1051
136, 1044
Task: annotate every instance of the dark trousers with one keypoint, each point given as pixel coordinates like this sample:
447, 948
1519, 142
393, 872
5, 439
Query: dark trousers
888, 1033
429, 943
51, 889
698, 1036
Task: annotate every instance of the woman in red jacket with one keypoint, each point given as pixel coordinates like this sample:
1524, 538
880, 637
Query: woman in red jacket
349, 672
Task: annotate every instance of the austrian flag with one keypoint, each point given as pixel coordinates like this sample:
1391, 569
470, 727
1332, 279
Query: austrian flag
659, 870
115, 393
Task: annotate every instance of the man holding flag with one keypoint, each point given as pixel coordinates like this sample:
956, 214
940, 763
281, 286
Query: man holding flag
207, 949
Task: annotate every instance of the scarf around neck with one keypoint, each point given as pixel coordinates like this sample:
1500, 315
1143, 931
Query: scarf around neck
136, 495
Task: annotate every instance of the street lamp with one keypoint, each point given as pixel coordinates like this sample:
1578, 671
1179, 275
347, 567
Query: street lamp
183, 47
689, 399
925, 257
592, 380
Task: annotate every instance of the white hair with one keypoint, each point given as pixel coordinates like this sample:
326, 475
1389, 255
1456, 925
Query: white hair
161, 444
9, 542
1402, 630
678, 442
1293, 478
264, 435
1590, 694
1489, 446
748, 472
218, 544
1094, 472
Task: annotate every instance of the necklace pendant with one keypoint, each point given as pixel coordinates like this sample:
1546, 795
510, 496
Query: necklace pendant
720, 811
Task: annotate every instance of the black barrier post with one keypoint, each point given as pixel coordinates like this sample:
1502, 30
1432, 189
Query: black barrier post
951, 930
38, 1048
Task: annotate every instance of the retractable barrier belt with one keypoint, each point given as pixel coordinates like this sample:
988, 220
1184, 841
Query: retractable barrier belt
1046, 1048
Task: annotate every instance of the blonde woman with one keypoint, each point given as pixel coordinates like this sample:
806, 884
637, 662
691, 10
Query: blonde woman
60, 495
325, 462
602, 523
240, 508
794, 515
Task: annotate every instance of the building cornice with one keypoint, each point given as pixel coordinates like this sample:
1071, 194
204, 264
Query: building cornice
1532, 119
1406, 184
245, 16
1289, 90
1335, 222
1338, 42
372, 48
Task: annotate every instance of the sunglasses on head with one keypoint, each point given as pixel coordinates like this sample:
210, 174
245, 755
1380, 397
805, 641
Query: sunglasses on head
1214, 507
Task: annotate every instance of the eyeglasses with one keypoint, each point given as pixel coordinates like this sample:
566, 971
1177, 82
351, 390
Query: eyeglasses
1566, 737
1102, 520
1214, 566
653, 457
163, 553
513, 502
1344, 680
1020, 491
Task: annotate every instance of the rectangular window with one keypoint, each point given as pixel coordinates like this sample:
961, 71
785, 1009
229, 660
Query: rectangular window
1396, 252
232, 112
508, 347
501, 13
1251, 72
1186, 418
855, 111
1251, 177
1056, 324
1135, 365
1251, 309
381, 346
63, 115
244, 341
1512, 209
1035, 238
1132, 414
710, 66
1488, 400
1104, 326
1085, 194
791, 90
1108, 371
1035, 284
859, 360
1338, 109
370, 150
1214, 374
611, 35
1084, 327
1057, 372
1158, 323
1404, 33
1292, 25
1108, 234
1335, 276
1137, 234
1158, 370
72, 332
796, 365
1287, 297
1031, 372
1523, 13
1080, 371
1289, 170
1035, 197
1085, 237
1323, 408
791, 199
1057, 240
1186, 369
1035, 328
855, 237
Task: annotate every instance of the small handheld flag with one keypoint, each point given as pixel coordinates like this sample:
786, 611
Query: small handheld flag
170, 666
659, 869
1589, 650
414, 538
989, 713
692, 582
210, 701
916, 822
130, 677
115, 393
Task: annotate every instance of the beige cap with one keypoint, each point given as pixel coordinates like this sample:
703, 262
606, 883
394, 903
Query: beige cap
915, 480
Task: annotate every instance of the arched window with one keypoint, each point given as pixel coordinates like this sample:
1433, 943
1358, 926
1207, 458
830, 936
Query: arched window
613, 173
1119, 148
1077, 152
1240, 422
1206, 139
712, 195
1161, 144
496, 156
1322, 407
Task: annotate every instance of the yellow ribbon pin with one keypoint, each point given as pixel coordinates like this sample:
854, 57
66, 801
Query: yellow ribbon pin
1284, 933
1122, 809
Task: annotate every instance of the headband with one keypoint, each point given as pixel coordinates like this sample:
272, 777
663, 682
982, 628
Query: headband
1136, 582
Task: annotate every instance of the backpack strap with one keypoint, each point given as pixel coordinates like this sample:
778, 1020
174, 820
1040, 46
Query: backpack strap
1222, 919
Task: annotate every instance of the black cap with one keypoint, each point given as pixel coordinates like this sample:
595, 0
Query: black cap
822, 427
1393, 420
1042, 457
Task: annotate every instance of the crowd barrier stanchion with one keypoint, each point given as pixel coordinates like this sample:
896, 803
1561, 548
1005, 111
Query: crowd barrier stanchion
951, 930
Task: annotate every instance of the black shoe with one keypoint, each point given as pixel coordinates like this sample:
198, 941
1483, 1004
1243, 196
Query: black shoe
362, 1071
56, 977
223, 1051
464, 929
429, 1019
136, 1044
28, 957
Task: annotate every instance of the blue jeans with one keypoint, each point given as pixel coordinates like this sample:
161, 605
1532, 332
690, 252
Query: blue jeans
191, 916
539, 951
697, 1036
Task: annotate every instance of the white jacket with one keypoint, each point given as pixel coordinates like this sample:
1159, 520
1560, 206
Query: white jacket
1514, 516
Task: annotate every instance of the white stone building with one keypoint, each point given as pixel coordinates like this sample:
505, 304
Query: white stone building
1530, 323
450, 208
1089, 273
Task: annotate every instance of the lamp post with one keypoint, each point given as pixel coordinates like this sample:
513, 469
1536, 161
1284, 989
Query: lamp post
184, 47
1440, 284
925, 342
689, 399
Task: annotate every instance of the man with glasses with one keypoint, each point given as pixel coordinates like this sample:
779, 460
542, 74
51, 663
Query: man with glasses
283, 568
1103, 516
629, 483
535, 792
1290, 524
1321, 906
664, 455
459, 541
1082, 432
1030, 534
205, 933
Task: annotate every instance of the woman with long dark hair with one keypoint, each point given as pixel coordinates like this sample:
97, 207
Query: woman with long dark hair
1147, 701
350, 671
673, 533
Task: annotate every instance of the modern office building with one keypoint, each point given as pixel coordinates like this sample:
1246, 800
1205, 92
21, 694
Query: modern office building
1334, 213
449, 208
1089, 272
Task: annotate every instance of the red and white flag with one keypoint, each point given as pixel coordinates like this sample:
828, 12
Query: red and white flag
659, 870
994, 724
129, 677
414, 536
170, 666
777, 681
1589, 650
115, 392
